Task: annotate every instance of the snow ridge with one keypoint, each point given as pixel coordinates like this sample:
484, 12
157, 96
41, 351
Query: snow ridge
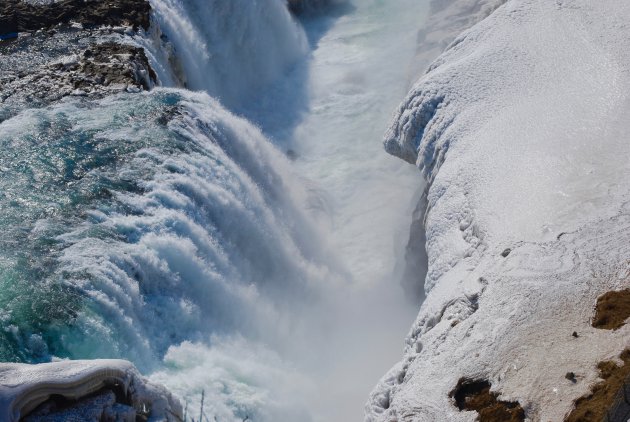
519, 130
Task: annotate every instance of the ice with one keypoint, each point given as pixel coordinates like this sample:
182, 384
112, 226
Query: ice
24, 387
519, 130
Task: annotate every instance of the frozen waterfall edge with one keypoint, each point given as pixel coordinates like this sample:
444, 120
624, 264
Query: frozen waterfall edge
106, 387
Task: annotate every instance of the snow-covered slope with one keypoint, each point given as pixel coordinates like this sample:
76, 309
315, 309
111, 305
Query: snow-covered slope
447, 19
520, 128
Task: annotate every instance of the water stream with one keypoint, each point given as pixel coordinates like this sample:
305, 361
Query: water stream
246, 240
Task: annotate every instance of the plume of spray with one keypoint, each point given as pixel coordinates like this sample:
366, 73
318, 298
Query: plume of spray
230, 49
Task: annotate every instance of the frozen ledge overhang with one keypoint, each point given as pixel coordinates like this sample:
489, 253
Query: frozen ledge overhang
24, 387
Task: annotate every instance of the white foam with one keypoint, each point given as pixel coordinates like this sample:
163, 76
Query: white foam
230, 49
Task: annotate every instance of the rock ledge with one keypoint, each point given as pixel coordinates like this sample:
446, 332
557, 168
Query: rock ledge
89, 390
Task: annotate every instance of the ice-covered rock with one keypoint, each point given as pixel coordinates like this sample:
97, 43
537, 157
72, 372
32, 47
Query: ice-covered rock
447, 19
39, 70
520, 129
89, 390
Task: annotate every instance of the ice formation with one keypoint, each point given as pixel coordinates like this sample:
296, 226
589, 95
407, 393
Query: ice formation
24, 388
519, 128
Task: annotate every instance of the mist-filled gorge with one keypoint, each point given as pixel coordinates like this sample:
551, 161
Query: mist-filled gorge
327, 113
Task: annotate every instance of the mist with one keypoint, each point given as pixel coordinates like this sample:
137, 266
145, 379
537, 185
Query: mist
330, 113
237, 232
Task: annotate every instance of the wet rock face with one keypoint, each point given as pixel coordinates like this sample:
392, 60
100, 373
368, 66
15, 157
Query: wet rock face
300, 7
94, 70
70, 47
18, 16
111, 63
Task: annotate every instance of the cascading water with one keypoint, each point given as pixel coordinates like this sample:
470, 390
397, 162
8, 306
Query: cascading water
163, 229
230, 49
163, 218
358, 72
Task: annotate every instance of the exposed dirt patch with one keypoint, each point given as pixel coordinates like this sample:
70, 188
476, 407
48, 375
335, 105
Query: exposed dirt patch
476, 395
612, 310
604, 399
17, 16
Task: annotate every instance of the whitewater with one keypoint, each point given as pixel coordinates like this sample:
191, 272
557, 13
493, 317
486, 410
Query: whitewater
238, 231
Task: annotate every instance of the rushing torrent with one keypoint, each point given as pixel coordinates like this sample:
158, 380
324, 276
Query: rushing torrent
170, 228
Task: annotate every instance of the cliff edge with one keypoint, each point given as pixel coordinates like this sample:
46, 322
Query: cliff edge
88, 390
520, 129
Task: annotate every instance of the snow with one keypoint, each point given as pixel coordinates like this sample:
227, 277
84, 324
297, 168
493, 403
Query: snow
519, 128
448, 18
23, 387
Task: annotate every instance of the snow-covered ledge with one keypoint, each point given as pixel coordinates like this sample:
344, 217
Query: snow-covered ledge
90, 390
521, 129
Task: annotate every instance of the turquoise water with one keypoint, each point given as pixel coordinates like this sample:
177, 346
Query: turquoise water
160, 228
133, 223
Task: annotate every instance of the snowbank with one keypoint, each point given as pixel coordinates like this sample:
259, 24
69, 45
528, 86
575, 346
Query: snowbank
23, 388
519, 128
447, 19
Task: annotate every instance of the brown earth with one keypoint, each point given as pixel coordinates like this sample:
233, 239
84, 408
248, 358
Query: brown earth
16, 16
476, 395
612, 310
602, 399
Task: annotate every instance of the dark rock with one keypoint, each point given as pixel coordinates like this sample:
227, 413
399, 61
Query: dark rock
8, 25
17, 16
98, 64
416, 258
475, 395
95, 70
300, 7
506, 252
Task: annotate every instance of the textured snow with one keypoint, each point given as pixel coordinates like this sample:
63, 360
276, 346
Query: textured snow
447, 19
23, 387
520, 129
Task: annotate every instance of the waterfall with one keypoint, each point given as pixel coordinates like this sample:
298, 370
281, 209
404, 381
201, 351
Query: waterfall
229, 49
162, 228
159, 219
